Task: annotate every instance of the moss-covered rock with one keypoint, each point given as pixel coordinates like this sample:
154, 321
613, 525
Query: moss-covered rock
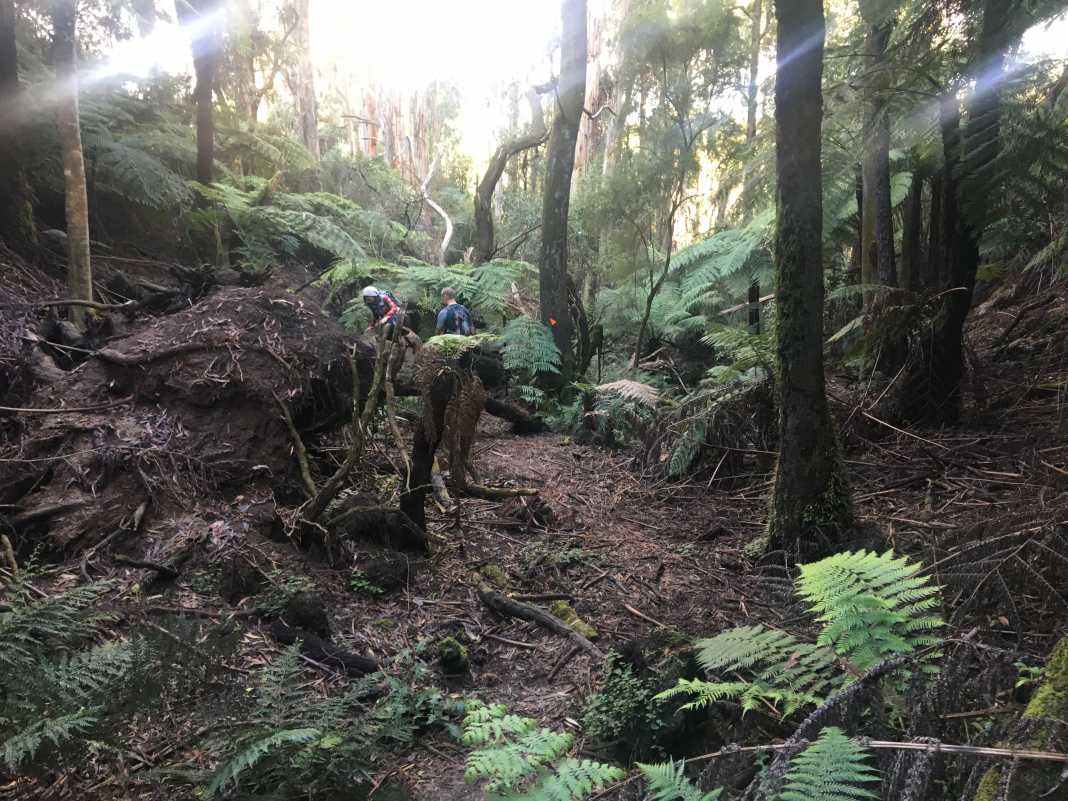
1050, 701
453, 656
566, 612
495, 575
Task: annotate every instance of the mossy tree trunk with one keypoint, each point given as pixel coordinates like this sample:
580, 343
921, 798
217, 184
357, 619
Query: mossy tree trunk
76, 202
560, 163
16, 209
810, 504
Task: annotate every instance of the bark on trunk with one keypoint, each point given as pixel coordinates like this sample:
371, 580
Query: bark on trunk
810, 505
756, 37
305, 84
485, 244
909, 277
16, 209
933, 393
76, 202
207, 49
878, 210
935, 275
560, 162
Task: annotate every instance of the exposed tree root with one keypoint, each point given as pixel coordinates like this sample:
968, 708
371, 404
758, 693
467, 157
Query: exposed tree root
323, 651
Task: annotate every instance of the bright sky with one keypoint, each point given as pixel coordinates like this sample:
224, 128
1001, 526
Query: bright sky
479, 45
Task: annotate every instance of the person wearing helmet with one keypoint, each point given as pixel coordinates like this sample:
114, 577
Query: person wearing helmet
385, 311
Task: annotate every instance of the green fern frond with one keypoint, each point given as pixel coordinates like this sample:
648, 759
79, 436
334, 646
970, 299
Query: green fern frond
527, 346
506, 765
490, 724
872, 606
630, 390
253, 753
668, 782
56, 730
573, 780
831, 769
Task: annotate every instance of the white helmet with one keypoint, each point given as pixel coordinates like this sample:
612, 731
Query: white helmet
370, 292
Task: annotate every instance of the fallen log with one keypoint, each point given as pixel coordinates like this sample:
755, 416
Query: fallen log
522, 421
506, 606
323, 651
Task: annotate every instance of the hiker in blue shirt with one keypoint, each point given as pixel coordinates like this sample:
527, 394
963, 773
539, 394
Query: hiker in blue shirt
455, 318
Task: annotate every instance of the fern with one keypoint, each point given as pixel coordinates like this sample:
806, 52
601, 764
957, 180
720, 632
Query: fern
520, 761
630, 390
668, 782
831, 769
871, 606
252, 754
781, 670
528, 348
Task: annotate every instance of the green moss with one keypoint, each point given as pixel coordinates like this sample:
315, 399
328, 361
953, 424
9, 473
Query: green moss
385, 623
566, 612
453, 345
453, 656
495, 575
988, 786
1051, 698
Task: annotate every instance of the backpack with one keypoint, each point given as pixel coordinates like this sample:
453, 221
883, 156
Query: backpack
458, 320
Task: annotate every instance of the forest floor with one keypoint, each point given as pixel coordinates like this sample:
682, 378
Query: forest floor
641, 557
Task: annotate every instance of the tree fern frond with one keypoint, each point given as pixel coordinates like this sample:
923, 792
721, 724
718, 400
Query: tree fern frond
631, 390
872, 606
25, 743
527, 346
668, 782
831, 769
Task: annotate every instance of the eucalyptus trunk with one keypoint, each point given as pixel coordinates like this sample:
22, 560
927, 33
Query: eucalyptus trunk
304, 86
203, 16
76, 202
810, 505
559, 166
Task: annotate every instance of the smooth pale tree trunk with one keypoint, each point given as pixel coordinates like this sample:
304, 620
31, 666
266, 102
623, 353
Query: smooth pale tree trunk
305, 84
559, 165
17, 227
76, 203
485, 244
810, 505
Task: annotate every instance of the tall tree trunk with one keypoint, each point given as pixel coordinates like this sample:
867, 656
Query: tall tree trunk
933, 393
203, 17
756, 37
484, 233
878, 247
935, 276
810, 504
909, 277
305, 84
560, 162
17, 227
76, 202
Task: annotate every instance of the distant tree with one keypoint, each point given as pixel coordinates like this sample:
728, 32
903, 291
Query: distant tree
79, 268
16, 209
302, 81
560, 163
532, 137
810, 504
204, 19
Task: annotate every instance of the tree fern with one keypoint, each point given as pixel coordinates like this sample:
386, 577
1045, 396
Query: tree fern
668, 782
871, 606
528, 348
831, 769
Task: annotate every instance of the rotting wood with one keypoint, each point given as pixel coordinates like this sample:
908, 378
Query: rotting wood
506, 606
323, 651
